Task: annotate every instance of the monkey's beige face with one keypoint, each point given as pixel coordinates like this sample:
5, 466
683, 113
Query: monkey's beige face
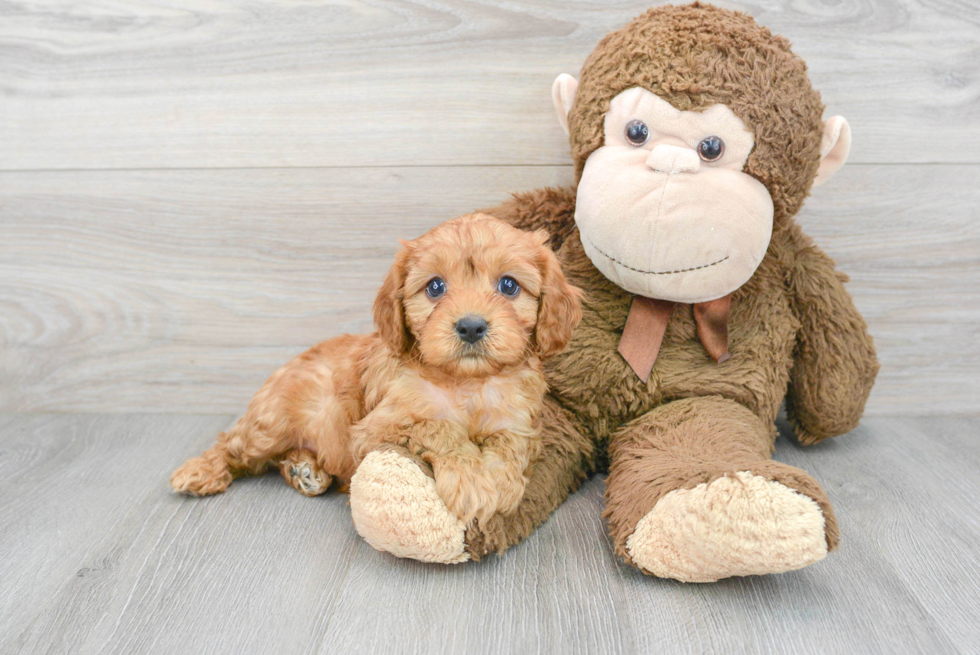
664, 209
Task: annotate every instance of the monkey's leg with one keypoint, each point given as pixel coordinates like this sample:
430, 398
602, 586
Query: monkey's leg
396, 508
692, 494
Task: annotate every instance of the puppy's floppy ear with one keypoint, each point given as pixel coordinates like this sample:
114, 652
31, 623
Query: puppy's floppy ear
389, 313
559, 304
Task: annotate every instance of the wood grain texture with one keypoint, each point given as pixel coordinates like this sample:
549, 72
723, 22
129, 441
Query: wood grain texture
68, 483
167, 84
100, 557
912, 487
183, 290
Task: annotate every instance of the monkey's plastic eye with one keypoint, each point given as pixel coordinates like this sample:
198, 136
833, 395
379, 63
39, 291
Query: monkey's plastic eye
435, 288
637, 132
711, 148
508, 286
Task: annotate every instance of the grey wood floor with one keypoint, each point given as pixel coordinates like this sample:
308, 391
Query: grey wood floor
100, 557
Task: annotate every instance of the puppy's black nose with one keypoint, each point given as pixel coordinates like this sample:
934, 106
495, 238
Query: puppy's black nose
471, 328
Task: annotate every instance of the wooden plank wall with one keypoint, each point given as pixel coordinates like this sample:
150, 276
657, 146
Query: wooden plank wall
191, 192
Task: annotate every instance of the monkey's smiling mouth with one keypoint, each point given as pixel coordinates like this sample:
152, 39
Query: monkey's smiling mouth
640, 270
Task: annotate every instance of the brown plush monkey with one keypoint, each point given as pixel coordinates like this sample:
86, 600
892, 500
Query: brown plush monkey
696, 137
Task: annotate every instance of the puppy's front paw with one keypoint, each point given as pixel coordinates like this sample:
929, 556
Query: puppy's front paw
466, 487
509, 480
199, 476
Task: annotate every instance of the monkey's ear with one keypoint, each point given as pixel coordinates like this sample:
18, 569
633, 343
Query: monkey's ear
834, 146
563, 95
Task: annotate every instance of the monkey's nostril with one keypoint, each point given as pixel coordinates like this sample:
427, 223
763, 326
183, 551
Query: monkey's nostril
471, 328
673, 159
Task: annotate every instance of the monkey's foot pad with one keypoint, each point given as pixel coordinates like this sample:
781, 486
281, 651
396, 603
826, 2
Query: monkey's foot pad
732, 526
304, 474
396, 509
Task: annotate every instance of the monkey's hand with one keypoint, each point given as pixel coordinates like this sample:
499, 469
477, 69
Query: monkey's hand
835, 362
396, 508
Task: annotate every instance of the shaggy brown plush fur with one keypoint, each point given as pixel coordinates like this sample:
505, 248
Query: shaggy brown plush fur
794, 331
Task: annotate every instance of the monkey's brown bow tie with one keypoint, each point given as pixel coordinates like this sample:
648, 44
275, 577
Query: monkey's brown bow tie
647, 322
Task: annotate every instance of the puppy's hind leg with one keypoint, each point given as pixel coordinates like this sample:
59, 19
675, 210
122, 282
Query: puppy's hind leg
302, 471
245, 449
203, 476
325, 453
296, 408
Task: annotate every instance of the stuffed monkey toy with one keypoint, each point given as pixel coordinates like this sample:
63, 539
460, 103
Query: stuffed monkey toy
696, 136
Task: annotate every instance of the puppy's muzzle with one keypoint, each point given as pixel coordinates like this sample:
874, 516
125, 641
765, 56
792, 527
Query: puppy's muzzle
471, 328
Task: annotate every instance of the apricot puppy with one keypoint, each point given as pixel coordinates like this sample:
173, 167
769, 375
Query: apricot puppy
453, 374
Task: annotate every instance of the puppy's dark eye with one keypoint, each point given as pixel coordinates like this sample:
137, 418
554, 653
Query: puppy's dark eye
711, 148
637, 132
508, 286
435, 288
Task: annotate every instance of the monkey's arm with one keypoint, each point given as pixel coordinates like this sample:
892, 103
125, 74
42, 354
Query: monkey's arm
551, 209
462, 478
835, 362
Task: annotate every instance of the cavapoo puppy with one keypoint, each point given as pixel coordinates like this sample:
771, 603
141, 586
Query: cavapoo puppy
453, 374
